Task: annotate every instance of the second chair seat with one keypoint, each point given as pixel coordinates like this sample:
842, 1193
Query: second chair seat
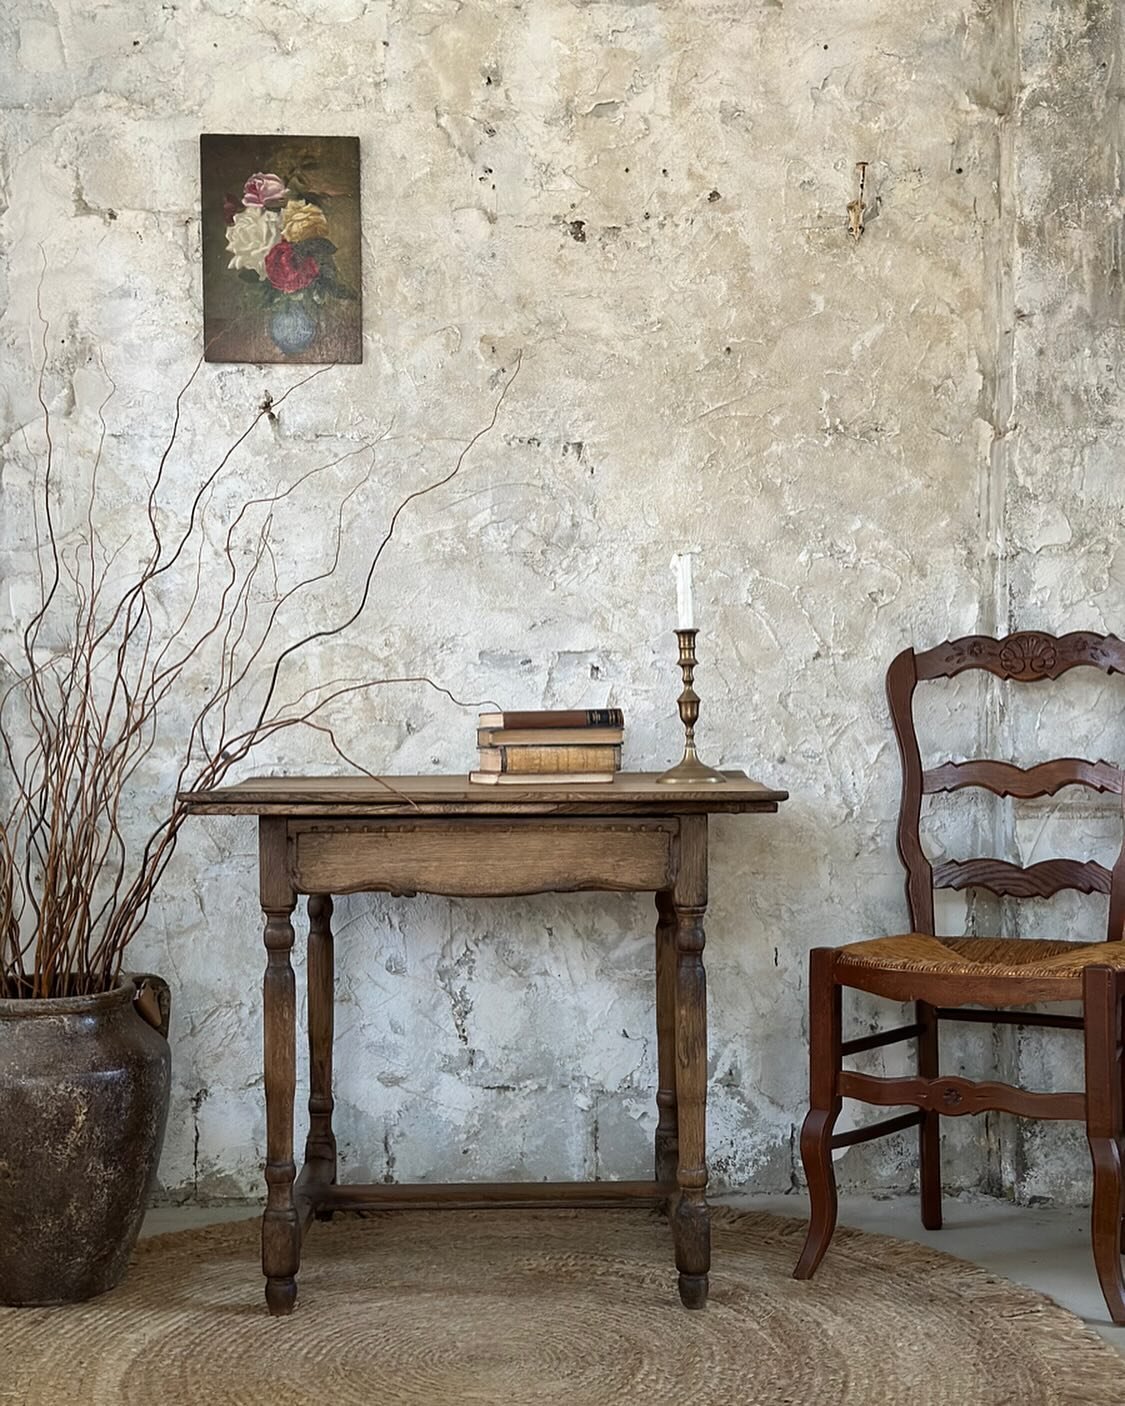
1058, 965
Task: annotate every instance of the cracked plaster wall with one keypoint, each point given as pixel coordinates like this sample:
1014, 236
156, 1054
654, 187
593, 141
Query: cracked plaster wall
873, 443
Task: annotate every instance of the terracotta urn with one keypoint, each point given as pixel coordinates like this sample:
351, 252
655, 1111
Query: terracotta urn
84, 1084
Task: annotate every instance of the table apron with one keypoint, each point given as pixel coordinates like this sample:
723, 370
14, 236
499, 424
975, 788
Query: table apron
483, 858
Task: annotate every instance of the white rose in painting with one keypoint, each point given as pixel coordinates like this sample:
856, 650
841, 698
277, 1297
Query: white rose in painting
251, 236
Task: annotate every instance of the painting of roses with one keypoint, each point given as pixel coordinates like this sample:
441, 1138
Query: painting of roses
281, 248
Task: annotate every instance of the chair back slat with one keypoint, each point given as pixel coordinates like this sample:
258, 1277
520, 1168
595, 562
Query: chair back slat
1006, 779
1028, 656
1042, 880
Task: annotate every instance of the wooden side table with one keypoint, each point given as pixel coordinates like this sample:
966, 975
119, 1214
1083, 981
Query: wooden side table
442, 835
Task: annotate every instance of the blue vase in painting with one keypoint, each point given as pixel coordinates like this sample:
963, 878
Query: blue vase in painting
292, 327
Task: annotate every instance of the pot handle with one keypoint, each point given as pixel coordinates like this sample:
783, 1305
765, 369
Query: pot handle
152, 1000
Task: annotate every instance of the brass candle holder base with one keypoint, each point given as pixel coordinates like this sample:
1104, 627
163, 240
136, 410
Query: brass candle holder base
689, 771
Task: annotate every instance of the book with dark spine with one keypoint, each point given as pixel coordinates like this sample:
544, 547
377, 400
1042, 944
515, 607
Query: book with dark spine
555, 717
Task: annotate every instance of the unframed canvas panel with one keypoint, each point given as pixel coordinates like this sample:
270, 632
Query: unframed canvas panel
281, 249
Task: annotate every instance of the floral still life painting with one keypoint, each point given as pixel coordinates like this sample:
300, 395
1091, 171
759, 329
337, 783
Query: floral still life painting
281, 249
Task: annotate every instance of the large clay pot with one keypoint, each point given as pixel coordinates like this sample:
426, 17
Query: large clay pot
83, 1101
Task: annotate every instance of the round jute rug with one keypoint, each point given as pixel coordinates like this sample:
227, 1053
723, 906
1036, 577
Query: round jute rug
538, 1308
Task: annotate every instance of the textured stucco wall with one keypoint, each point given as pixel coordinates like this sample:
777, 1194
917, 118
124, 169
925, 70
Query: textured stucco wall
646, 202
1062, 553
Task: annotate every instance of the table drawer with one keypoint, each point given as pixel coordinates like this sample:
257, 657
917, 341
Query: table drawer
485, 858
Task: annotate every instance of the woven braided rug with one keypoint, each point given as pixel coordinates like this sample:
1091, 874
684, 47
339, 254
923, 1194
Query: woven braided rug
531, 1308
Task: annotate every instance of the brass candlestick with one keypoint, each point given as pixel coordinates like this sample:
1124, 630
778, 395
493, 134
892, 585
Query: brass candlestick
689, 771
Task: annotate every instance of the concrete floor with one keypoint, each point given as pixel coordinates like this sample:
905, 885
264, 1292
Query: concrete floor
1044, 1247
1047, 1248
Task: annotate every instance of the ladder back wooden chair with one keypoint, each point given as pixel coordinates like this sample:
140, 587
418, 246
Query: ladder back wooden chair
944, 976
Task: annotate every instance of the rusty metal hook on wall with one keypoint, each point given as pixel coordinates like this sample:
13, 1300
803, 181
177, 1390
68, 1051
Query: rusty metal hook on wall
857, 208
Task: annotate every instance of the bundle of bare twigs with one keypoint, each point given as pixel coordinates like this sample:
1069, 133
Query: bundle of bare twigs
78, 719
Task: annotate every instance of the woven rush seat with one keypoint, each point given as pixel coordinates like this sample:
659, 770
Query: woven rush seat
982, 956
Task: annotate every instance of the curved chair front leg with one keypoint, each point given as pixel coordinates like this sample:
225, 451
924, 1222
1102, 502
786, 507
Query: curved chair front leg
1103, 994
825, 1060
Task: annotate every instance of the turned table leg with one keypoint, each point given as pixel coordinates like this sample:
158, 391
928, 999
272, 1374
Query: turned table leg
666, 1142
281, 1232
320, 1145
691, 1225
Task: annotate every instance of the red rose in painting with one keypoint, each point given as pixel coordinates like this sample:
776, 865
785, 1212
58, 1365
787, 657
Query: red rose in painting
231, 207
288, 270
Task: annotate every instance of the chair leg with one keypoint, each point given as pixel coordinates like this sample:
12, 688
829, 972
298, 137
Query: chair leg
825, 1060
1105, 1128
929, 1131
1121, 1071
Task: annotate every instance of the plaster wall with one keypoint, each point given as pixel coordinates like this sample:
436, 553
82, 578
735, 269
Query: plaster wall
1061, 555
643, 208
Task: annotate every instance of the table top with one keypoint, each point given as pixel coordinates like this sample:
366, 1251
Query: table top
629, 793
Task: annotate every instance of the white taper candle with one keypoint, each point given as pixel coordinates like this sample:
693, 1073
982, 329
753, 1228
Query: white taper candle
685, 607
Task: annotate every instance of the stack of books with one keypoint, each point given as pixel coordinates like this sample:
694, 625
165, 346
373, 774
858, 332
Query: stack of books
563, 746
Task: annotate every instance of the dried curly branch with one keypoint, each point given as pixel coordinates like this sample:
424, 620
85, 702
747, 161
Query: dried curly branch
79, 723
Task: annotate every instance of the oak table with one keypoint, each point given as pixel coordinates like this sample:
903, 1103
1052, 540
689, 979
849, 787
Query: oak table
444, 835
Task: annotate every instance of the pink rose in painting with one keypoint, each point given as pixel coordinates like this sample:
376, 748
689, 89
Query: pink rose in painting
263, 189
288, 270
